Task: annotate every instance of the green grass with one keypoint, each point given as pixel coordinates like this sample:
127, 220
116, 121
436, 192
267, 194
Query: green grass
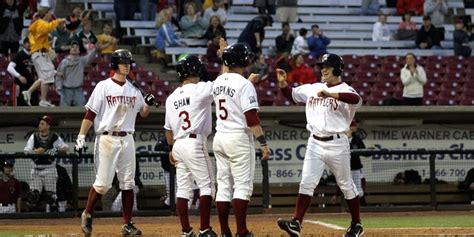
406, 221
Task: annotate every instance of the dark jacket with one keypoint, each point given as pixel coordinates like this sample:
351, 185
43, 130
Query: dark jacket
356, 143
431, 37
256, 25
461, 43
18, 21
284, 45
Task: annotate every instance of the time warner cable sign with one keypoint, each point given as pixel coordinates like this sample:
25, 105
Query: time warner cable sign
288, 147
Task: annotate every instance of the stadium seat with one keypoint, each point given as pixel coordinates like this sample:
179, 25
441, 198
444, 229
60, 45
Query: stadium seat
454, 76
351, 59
384, 76
447, 101
392, 59
435, 76
365, 76
392, 67
433, 60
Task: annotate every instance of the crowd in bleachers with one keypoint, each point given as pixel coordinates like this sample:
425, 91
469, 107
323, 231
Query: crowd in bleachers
177, 28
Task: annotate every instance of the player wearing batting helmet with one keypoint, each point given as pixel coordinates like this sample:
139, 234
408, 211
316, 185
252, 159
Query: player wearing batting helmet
329, 113
188, 123
112, 108
237, 124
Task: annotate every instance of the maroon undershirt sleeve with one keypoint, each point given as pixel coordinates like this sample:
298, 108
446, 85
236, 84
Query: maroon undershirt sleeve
89, 115
252, 118
350, 98
287, 92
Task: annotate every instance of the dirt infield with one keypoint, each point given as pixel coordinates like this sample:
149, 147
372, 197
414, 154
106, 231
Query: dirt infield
260, 225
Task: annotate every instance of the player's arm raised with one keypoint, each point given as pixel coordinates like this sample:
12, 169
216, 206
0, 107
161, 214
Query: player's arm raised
286, 90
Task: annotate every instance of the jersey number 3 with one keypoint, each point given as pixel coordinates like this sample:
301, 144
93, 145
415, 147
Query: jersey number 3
224, 113
185, 116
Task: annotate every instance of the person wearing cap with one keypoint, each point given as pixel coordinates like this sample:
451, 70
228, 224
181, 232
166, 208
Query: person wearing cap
22, 70
43, 172
10, 189
330, 108
42, 54
254, 33
70, 76
427, 37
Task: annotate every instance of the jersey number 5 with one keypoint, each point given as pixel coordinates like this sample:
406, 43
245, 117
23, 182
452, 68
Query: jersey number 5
185, 116
224, 113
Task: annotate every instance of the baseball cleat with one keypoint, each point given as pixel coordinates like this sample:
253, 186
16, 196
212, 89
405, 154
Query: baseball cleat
190, 233
249, 234
207, 233
355, 230
130, 229
86, 224
293, 227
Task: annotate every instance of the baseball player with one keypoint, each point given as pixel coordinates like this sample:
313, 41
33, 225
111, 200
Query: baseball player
237, 124
112, 108
188, 123
330, 108
10, 191
44, 173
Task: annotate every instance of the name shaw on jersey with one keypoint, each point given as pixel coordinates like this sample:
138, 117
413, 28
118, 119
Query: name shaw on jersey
181, 102
125, 100
224, 90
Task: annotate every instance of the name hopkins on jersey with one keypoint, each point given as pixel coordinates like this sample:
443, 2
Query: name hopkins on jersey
181, 102
224, 90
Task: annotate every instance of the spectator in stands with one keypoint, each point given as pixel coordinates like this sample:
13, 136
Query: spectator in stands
148, 9
317, 43
77, 18
86, 37
62, 38
260, 67
212, 53
124, 10
265, 6
415, 6
192, 24
11, 25
217, 9
301, 72
42, 54
427, 37
413, 77
107, 42
181, 6
381, 31
254, 33
370, 7
436, 9
284, 42
300, 45
21, 68
461, 40
406, 29
51, 4
215, 28
286, 11
10, 189
165, 35
70, 76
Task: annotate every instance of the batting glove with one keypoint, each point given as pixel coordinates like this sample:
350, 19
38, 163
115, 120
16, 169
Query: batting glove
80, 145
150, 99
52, 152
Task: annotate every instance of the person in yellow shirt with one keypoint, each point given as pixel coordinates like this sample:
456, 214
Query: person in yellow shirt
107, 41
42, 54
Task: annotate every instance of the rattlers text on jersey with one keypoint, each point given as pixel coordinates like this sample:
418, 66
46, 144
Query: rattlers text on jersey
116, 106
326, 116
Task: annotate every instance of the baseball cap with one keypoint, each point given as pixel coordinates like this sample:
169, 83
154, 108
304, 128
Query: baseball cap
73, 42
427, 18
48, 119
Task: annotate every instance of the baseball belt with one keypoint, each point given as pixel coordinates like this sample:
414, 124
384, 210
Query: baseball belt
328, 138
118, 134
